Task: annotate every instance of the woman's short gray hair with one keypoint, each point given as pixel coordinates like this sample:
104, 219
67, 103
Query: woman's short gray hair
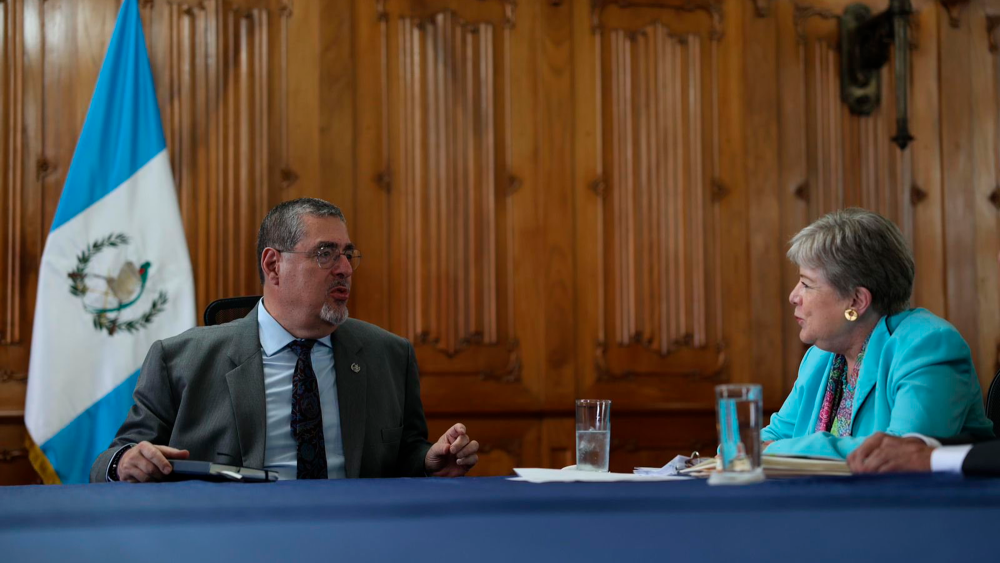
859, 248
282, 228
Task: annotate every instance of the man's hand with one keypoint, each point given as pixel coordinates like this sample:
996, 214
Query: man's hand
146, 462
453, 455
882, 453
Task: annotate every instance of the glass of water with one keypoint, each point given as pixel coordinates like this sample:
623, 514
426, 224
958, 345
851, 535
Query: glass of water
593, 434
740, 413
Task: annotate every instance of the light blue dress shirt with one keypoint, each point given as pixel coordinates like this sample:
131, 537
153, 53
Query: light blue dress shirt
279, 367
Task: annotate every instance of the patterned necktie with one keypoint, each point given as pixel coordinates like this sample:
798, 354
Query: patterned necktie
307, 416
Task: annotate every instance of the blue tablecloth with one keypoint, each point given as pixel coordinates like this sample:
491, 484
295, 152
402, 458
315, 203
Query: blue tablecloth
884, 518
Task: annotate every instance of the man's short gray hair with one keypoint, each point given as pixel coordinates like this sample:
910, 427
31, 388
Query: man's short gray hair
859, 248
282, 228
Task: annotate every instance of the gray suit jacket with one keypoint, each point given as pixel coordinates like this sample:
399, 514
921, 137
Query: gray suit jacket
203, 391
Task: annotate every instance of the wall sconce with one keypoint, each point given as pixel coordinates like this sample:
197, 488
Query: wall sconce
865, 40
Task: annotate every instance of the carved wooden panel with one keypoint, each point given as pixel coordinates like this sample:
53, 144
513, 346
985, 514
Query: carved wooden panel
21, 172
11, 169
851, 160
447, 173
217, 65
970, 109
660, 292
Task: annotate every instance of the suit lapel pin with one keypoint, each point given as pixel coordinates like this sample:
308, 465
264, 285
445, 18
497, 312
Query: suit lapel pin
355, 368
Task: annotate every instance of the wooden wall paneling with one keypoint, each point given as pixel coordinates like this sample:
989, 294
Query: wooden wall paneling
454, 188
15, 468
304, 107
985, 192
11, 173
220, 82
338, 181
21, 170
957, 161
558, 443
796, 191
925, 193
768, 297
659, 340
831, 159
733, 194
244, 52
75, 38
554, 289
504, 443
589, 204
375, 176
184, 61
851, 158
315, 120
11, 167
652, 440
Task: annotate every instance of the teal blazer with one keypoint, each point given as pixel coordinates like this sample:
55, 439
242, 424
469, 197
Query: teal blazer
916, 376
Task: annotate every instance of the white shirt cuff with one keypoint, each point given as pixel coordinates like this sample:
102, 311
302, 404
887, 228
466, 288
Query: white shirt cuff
949, 459
927, 439
944, 459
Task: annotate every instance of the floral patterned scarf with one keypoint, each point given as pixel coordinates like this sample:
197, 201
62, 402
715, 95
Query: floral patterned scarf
838, 403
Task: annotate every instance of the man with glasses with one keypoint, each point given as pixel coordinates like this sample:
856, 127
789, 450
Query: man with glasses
296, 386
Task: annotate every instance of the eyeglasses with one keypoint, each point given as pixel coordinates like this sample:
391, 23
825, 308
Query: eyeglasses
326, 257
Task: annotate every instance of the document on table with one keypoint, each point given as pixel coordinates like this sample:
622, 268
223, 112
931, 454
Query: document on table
537, 475
783, 466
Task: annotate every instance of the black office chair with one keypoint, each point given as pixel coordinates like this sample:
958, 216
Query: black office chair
222, 311
993, 402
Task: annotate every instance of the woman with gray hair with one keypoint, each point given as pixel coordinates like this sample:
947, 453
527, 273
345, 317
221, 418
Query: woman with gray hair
875, 365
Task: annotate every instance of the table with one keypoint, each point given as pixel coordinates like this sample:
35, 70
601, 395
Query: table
873, 518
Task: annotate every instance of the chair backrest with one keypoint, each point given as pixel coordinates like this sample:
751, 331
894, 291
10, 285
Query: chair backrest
222, 311
993, 402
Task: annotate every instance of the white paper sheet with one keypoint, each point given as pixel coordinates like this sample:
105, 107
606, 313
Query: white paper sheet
536, 475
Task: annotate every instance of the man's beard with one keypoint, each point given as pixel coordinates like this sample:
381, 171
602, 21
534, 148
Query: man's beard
334, 314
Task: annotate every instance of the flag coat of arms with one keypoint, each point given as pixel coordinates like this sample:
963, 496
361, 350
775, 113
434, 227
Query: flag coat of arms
115, 273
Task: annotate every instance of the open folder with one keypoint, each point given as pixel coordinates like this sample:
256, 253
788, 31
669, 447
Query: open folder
781, 466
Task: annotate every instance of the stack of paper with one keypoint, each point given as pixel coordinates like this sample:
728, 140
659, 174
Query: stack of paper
782, 466
536, 475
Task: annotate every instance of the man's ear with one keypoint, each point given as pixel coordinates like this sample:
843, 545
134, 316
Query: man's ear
270, 262
861, 301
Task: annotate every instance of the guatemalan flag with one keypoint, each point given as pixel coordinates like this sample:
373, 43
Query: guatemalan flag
115, 274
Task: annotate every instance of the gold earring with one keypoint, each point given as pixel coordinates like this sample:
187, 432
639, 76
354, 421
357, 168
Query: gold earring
851, 315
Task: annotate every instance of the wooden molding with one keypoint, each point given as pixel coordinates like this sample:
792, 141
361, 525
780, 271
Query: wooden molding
991, 26
8, 376
954, 9
10, 456
803, 12
514, 447
995, 197
762, 8
713, 8
598, 187
719, 190
12, 181
801, 191
716, 373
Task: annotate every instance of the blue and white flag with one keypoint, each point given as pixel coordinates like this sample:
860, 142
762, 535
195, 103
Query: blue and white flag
115, 274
